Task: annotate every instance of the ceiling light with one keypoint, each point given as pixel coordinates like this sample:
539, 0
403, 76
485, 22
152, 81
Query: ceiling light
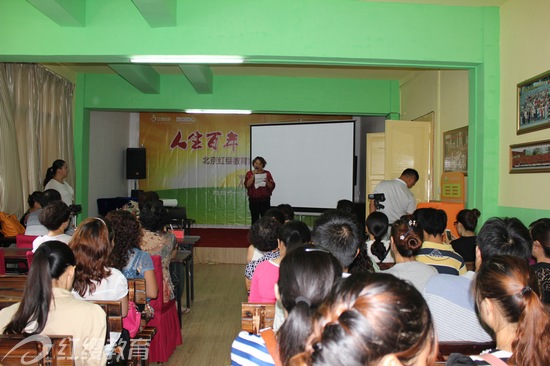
219, 111
188, 59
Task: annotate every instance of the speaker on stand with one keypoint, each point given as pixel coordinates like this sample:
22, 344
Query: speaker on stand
136, 167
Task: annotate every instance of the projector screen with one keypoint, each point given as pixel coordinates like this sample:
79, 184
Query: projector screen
312, 163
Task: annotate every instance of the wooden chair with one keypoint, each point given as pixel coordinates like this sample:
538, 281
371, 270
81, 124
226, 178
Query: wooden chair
256, 316
34, 352
24, 241
11, 289
136, 291
466, 348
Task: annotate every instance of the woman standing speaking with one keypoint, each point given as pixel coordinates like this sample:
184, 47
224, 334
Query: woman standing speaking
259, 184
55, 179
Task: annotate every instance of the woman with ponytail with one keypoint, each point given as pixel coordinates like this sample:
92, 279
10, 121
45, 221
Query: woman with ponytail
465, 224
405, 244
49, 308
508, 301
306, 277
55, 179
378, 248
291, 235
371, 319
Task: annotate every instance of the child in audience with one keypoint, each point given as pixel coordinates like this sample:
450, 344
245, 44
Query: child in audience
405, 244
263, 235
291, 235
508, 301
55, 217
49, 308
126, 255
540, 232
306, 277
371, 319
465, 224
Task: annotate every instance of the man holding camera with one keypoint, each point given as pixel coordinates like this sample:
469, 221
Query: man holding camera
399, 200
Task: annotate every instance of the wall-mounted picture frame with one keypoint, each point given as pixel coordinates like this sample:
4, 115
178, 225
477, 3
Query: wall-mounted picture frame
455, 150
532, 157
533, 104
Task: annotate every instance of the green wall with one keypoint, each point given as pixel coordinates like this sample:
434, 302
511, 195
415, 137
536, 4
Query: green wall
332, 32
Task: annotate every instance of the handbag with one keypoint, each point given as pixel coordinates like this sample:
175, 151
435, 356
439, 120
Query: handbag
132, 321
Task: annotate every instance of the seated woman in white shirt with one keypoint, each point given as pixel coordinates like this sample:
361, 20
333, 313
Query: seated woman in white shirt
55, 217
51, 278
55, 179
94, 278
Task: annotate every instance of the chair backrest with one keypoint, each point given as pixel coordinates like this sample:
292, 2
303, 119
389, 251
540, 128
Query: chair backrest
11, 289
157, 264
2, 263
256, 316
113, 310
136, 291
34, 352
24, 241
30, 256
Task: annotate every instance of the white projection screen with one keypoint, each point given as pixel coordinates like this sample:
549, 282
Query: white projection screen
312, 163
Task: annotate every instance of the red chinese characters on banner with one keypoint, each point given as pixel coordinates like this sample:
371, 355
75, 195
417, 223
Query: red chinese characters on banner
232, 140
196, 140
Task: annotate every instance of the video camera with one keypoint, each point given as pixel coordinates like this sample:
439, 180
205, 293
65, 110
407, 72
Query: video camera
75, 209
377, 198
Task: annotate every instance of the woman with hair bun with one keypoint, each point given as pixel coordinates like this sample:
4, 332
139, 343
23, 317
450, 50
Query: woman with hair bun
55, 179
371, 319
405, 244
507, 298
540, 233
466, 222
306, 277
378, 248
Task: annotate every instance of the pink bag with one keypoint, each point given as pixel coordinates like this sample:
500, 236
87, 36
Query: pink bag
132, 321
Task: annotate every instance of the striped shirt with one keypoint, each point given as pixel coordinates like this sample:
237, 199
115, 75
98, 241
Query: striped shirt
442, 257
250, 350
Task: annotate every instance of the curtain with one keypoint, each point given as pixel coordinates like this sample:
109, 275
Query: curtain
36, 128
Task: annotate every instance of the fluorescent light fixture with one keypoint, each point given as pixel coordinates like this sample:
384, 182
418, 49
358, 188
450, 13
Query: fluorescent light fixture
188, 59
219, 111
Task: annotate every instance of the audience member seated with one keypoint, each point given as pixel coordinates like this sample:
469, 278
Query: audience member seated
94, 278
306, 277
465, 224
254, 253
435, 251
55, 217
540, 233
507, 297
34, 204
371, 319
287, 210
126, 255
450, 297
291, 235
263, 235
378, 248
157, 241
405, 244
339, 233
34, 227
49, 308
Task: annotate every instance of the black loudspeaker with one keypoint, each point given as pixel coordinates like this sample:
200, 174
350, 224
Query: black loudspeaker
136, 167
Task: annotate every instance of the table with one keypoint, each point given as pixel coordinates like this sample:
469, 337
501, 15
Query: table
180, 267
188, 242
15, 256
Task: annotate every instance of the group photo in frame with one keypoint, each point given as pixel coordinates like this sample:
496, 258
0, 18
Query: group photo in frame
532, 157
455, 150
533, 104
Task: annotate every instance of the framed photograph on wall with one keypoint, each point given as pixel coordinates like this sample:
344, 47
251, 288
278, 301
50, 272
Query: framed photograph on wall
533, 104
455, 150
532, 157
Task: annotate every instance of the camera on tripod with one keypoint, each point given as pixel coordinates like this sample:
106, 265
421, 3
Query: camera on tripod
377, 198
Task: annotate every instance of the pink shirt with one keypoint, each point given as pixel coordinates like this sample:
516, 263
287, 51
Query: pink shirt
264, 279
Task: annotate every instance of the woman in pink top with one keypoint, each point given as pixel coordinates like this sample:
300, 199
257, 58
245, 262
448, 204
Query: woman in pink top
291, 235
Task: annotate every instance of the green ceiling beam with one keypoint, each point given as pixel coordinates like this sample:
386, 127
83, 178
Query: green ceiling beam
142, 77
66, 13
158, 13
200, 77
